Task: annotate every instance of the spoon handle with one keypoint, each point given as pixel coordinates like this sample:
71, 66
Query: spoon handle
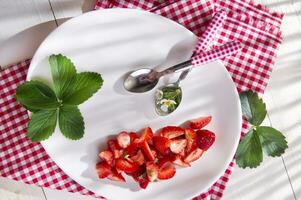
176, 68
223, 51
204, 58
214, 26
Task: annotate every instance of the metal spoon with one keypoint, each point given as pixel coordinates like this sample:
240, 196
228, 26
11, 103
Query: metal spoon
143, 80
174, 93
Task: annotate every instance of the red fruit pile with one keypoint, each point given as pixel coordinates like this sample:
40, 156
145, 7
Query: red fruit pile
149, 158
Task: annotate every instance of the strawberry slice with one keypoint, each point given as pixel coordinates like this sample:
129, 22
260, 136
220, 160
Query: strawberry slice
179, 161
103, 169
147, 150
193, 155
138, 158
191, 137
132, 149
106, 156
115, 176
115, 148
141, 177
205, 139
161, 144
172, 132
178, 145
133, 136
152, 171
200, 122
146, 136
125, 165
166, 171
123, 139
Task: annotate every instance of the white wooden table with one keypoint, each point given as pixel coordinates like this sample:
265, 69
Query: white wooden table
278, 178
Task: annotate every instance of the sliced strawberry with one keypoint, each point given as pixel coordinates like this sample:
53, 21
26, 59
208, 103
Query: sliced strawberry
123, 139
141, 177
178, 145
132, 149
191, 137
205, 139
165, 159
133, 136
179, 161
147, 150
152, 171
166, 171
103, 169
115, 176
172, 132
161, 144
200, 122
182, 153
106, 156
115, 148
125, 165
193, 155
146, 136
138, 158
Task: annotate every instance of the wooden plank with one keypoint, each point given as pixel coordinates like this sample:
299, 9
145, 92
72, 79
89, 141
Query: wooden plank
58, 195
67, 8
268, 181
12, 190
17, 16
283, 96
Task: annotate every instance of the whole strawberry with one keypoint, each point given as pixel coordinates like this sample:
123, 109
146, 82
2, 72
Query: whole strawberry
205, 139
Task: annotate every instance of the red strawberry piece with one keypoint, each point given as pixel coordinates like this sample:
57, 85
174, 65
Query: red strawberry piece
106, 156
138, 158
178, 145
161, 144
147, 135
103, 169
205, 139
193, 155
115, 176
125, 165
200, 122
164, 160
166, 171
154, 151
124, 139
182, 153
115, 148
191, 137
133, 136
179, 161
132, 149
172, 132
152, 171
147, 151
140, 176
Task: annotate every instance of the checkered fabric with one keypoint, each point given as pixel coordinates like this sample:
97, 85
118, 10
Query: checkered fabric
253, 25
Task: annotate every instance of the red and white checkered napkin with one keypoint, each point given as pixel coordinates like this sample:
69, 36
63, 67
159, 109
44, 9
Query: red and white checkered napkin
253, 25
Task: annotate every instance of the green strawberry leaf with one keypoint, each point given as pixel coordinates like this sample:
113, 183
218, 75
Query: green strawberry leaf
273, 142
71, 122
86, 84
63, 74
253, 108
35, 95
41, 125
249, 152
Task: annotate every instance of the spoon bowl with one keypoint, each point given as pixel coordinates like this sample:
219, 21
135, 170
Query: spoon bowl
140, 80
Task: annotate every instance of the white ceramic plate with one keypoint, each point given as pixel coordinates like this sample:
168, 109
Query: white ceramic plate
113, 42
